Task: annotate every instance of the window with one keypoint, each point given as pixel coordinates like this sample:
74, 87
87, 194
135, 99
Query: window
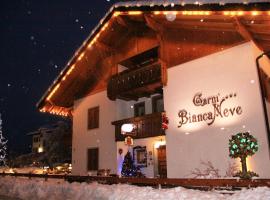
140, 156
139, 109
93, 118
92, 159
157, 104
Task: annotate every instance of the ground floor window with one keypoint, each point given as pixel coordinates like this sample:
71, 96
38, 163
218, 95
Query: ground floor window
92, 159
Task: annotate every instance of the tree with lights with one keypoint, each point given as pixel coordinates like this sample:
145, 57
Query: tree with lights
3, 146
128, 168
241, 146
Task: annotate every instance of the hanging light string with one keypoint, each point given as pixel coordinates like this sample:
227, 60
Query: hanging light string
90, 41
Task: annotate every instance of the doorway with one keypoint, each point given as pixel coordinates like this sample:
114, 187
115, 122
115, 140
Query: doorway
162, 161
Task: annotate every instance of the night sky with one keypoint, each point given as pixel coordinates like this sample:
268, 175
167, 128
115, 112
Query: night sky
37, 40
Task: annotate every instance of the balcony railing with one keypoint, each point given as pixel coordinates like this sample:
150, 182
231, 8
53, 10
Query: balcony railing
146, 126
133, 84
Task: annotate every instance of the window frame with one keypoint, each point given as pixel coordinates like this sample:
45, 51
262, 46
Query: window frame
136, 106
92, 113
154, 103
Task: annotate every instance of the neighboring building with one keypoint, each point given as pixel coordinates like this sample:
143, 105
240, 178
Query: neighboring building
47, 137
37, 141
195, 60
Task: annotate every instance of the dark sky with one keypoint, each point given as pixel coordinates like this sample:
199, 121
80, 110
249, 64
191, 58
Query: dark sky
37, 40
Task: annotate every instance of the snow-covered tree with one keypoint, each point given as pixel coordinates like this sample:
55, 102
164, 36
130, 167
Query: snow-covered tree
3, 146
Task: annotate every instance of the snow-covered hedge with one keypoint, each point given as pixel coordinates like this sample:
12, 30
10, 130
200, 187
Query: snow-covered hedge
24, 188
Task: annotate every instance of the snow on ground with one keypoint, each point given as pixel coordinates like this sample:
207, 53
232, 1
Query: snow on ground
38, 189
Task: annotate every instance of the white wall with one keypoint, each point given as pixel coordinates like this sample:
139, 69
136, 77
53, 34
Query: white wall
264, 63
223, 73
151, 170
102, 137
125, 109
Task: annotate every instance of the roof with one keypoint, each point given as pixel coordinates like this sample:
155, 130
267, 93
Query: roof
142, 6
182, 2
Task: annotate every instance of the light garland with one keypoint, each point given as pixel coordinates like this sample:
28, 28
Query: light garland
53, 91
117, 13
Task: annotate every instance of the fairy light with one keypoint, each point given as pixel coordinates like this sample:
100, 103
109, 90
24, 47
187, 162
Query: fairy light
232, 13
115, 14
135, 12
54, 90
71, 69
81, 56
239, 13
105, 26
196, 12
254, 13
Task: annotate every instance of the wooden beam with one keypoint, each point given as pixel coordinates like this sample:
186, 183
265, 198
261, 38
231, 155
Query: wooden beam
200, 27
244, 32
104, 47
123, 22
152, 24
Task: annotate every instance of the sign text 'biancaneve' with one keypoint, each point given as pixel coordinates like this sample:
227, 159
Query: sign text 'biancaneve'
216, 109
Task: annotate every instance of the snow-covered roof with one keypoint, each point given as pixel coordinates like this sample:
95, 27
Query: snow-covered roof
183, 2
148, 5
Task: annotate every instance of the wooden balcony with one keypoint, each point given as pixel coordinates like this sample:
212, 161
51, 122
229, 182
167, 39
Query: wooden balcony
135, 83
146, 126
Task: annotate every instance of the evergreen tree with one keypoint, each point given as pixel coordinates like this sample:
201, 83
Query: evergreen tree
128, 168
3, 146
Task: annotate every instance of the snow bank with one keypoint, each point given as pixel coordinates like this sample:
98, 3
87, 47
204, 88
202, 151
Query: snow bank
39, 189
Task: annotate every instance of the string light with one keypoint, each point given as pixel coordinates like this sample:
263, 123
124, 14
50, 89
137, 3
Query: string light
196, 12
135, 12
239, 13
81, 56
254, 13
117, 13
54, 90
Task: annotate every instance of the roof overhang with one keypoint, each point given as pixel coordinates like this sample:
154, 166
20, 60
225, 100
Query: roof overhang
51, 101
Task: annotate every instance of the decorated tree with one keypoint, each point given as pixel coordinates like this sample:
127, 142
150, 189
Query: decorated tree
241, 146
3, 146
128, 168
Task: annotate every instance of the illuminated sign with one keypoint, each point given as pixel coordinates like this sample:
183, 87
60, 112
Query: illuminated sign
216, 109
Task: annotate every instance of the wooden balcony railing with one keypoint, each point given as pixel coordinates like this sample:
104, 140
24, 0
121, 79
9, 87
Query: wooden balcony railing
133, 84
146, 126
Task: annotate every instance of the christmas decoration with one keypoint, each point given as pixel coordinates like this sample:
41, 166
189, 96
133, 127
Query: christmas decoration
3, 146
129, 169
241, 146
129, 141
165, 121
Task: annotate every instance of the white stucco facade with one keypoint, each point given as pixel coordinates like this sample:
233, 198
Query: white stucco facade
232, 71
102, 137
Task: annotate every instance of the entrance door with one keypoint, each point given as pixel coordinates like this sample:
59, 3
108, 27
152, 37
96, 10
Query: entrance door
162, 163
